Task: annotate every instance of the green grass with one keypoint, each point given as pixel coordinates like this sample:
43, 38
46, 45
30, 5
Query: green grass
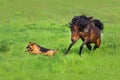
46, 23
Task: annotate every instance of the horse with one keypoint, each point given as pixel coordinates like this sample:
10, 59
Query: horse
88, 30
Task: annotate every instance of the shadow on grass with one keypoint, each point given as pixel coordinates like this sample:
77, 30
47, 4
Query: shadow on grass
76, 51
4, 46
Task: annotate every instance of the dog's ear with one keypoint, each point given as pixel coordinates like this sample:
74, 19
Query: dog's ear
31, 43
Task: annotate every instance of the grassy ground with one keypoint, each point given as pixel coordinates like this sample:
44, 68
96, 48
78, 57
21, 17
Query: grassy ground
46, 23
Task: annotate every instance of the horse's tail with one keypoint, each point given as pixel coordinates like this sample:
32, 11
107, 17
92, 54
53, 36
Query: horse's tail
98, 24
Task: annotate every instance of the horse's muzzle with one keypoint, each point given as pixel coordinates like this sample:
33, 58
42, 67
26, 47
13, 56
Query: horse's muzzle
74, 39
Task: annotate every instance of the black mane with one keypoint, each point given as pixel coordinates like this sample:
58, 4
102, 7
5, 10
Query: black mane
80, 21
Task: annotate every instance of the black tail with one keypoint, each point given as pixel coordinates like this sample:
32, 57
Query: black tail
98, 24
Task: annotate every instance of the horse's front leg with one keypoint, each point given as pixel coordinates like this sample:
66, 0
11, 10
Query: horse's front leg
82, 45
71, 44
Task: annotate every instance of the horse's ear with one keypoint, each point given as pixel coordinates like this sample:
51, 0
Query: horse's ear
90, 17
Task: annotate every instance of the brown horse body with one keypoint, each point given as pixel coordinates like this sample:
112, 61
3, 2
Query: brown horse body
86, 29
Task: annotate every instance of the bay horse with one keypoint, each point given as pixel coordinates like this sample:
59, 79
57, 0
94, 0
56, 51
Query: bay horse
88, 30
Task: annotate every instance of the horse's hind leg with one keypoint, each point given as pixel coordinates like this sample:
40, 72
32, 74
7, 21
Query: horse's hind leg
82, 45
97, 44
89, 46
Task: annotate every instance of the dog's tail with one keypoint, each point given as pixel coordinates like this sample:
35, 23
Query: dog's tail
55, 51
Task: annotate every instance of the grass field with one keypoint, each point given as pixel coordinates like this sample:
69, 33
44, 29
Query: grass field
46, 23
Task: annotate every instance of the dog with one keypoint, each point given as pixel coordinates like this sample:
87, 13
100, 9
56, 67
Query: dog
37, 49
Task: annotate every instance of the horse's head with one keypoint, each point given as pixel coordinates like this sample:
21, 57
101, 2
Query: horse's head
74, 27
77, 24
74, 33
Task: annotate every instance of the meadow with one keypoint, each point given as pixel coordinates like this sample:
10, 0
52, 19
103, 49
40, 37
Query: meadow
46, 23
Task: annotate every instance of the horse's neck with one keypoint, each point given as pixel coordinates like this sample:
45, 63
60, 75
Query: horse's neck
85, 29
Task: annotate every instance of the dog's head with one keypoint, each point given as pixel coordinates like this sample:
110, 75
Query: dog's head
30, 47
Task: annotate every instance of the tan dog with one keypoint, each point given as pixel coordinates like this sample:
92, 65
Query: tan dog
36, 49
